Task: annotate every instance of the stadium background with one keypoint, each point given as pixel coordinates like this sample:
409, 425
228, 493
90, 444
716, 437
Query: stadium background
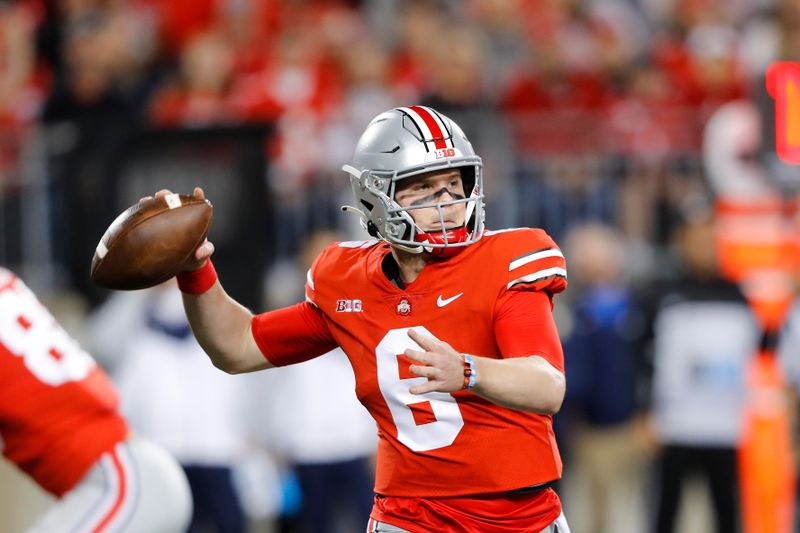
584, 111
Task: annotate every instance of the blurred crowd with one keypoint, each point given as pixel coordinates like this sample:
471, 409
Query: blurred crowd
317, 62
590, 116
582, 110
589, 85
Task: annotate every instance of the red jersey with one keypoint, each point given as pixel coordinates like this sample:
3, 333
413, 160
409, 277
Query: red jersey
437, 444
58, 410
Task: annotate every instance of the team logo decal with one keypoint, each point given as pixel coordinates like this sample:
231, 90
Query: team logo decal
404, 307
348, 306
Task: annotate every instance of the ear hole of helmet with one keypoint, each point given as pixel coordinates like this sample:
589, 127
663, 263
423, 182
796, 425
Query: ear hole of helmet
468, 179
372, 229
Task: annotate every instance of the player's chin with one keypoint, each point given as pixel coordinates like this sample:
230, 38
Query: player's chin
436, 227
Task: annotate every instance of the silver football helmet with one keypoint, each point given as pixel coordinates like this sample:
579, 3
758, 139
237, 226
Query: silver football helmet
405, 142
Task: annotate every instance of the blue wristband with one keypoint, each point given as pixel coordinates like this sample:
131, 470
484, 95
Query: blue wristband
470, 375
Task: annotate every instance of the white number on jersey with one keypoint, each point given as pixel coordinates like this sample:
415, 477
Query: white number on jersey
418, 437
29, 331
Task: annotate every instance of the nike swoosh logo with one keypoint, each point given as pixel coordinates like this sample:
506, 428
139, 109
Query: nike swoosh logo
441, 302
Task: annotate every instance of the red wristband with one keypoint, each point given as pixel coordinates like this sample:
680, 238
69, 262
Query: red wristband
197, 281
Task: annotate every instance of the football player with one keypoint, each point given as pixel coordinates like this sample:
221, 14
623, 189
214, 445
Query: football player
59, 423
448, 328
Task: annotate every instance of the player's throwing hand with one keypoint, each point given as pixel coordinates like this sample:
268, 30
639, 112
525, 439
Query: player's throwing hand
206, 249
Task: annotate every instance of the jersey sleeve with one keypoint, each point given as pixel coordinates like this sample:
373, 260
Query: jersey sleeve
292, 334
524, 326
536, 264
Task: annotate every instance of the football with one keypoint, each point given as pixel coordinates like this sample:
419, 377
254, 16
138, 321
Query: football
150, 242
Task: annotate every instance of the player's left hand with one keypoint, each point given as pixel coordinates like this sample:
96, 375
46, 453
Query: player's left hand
440, 363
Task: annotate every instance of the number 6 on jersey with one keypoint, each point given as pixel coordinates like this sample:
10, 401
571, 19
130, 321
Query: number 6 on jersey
416, 432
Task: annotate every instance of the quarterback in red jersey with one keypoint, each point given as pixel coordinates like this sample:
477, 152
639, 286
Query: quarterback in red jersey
448, 328
59, 424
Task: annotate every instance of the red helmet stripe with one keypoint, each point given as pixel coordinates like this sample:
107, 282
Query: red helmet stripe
433, 125
442, 124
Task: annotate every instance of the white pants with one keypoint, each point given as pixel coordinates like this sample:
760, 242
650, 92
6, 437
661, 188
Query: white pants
559, 525
136, 487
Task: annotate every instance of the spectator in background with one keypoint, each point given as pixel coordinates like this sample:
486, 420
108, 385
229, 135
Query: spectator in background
197, 413
87, 89
502, 25
295, 76
367, 88
201, 95
327, 436
22, 82
456, 80
599, 406
87, 118
59, 423
415, 28
23, 87
700, 333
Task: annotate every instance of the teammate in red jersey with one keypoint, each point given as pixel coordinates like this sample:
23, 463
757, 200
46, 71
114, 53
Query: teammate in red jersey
59, 424
448, 327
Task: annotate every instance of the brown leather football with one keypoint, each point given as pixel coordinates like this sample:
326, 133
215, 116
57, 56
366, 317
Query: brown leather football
150, 242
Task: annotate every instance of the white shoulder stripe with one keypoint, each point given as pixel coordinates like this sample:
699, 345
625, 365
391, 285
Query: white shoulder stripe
490, 232
536, 276
534, 256
309, 300
359, 244
310, 280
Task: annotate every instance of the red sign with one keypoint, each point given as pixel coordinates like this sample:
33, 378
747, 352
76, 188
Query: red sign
783, 85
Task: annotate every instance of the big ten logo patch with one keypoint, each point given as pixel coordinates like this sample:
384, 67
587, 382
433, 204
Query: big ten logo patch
445, 152
348, 306
783, 85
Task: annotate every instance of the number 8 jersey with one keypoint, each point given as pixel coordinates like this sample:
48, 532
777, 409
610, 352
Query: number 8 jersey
57, 408
493, 299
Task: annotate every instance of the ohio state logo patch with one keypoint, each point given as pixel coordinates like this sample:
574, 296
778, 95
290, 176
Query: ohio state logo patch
404, 307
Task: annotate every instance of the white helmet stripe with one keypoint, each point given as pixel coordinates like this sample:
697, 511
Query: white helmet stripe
430, 126
420, 124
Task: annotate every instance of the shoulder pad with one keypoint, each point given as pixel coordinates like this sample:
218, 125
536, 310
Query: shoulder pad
333, 263
534, 260
6, 278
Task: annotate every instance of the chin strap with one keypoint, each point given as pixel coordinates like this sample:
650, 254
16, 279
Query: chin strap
455, 235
